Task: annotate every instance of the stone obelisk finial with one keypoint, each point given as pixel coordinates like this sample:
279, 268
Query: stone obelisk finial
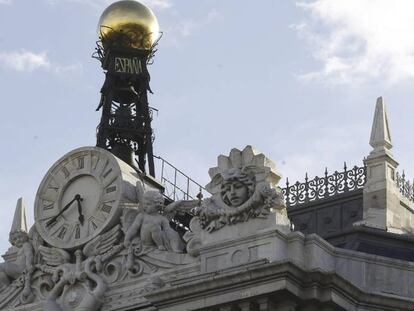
20, 220
380, 134
381, 195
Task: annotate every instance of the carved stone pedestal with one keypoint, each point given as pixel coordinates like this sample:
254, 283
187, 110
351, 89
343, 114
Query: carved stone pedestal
277, 220
264, 244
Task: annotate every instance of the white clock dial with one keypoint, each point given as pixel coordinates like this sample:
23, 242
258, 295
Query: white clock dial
80, 196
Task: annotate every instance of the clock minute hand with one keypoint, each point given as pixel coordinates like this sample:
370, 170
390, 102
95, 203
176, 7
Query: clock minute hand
53, 219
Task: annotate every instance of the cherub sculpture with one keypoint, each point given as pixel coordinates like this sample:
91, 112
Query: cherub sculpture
10, 271
152, 227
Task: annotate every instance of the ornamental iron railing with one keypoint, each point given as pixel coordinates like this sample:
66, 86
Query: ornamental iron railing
405, 186
178, 185
324, 187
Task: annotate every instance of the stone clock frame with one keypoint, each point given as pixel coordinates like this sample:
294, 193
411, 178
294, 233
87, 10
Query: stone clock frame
101, 179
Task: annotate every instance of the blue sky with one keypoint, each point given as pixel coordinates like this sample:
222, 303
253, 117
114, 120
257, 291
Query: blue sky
298, 80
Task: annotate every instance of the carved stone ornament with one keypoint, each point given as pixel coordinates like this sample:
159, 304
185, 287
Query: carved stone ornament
243, 186
137, 244
243, 189
16, 275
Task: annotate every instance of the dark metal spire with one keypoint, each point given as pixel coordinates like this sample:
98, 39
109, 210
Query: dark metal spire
125, 126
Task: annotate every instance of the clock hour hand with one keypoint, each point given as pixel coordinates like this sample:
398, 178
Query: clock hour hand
53, 219
81, 217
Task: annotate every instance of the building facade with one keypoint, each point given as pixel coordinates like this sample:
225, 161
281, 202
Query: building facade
109, 236
340, 242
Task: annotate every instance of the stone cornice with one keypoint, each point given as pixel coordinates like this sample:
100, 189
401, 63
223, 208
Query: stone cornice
244, 282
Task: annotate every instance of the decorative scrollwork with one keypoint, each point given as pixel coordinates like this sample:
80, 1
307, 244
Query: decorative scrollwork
356, 177
326, 186
316, 187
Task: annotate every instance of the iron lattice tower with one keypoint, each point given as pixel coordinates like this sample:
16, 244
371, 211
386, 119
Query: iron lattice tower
125, 126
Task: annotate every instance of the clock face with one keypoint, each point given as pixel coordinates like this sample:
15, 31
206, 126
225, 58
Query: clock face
78, 198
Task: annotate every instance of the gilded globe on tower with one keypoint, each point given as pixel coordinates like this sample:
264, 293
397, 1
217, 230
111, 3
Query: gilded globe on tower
128, 24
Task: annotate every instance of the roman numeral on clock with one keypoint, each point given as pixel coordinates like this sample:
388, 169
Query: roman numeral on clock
77, 232
65, 172
62, 233
106, 208
94, 223
100, 166
107, 173
53, 185
80, 163
110, 189
48, 205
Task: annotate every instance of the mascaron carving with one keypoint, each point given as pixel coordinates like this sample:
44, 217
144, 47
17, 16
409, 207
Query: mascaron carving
243, 186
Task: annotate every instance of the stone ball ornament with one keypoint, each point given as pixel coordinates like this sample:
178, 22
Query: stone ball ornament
128, 24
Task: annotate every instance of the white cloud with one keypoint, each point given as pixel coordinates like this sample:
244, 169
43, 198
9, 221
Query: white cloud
66, 69
6, 2
188, 26
26, 61
358, 41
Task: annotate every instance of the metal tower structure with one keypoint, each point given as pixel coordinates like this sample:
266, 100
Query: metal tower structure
128, 33
125, 126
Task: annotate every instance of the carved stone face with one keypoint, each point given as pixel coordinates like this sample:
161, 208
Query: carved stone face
153, 202
18, 239
234, 193
136, 246
150, 207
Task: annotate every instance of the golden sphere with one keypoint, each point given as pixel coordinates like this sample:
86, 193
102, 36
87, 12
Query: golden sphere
129, 24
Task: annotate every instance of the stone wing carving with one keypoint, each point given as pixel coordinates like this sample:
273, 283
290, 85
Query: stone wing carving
10, 296
54, 257
103, 243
